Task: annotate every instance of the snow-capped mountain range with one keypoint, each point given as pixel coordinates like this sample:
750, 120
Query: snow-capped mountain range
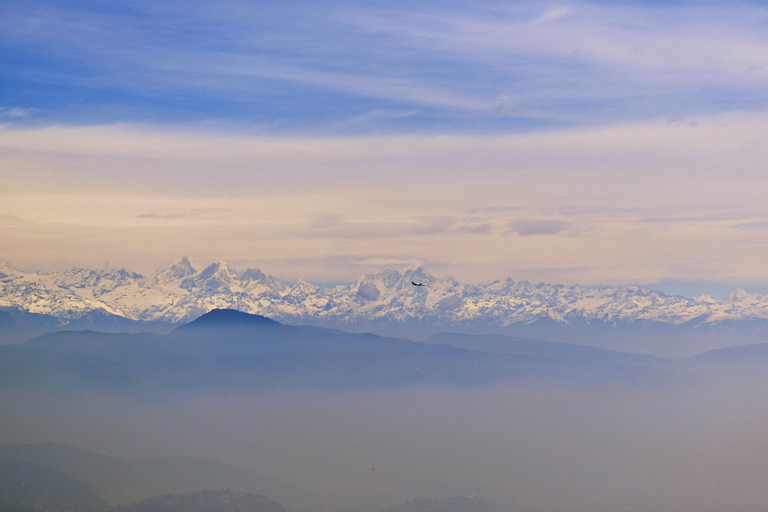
385, 303
183, 292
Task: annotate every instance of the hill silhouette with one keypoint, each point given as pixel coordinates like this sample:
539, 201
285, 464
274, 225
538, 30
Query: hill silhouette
28, 487
122, 481
206, 501
226, 318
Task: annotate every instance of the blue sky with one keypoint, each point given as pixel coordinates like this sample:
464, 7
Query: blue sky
574, 142
347, 67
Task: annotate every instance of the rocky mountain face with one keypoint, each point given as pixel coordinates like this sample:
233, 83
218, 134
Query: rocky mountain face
385, 303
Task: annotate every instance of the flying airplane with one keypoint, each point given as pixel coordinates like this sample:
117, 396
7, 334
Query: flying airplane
417, 284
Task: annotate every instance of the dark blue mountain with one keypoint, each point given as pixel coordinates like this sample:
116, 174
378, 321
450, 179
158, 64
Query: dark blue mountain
232, 351
17, 325
227, 318
503, 344
103, 321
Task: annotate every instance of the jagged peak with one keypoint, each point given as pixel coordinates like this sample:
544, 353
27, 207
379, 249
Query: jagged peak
253, 274
738, 295
501, 285
6, 265
303, 284
214, 268
120, 273
186, 262
416, 271
181, 269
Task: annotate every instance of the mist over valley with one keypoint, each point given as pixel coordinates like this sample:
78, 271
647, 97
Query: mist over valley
322, 419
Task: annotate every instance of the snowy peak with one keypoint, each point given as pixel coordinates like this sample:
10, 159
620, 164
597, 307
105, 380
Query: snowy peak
215, 279
5, 266
740, 296
388, 298
8, 272
399, 280
176, 272
253, 274
303, 290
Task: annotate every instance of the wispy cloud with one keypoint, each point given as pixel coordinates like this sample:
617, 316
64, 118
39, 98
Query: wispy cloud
761, 225
533, 227
593, 210
336, 227
552, 14
681, 38
12, 220
494, 209
704, 217
17, 112
458, 67
186, 213
400, 89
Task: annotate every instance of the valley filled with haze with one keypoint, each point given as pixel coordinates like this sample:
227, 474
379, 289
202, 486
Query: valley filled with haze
322, 419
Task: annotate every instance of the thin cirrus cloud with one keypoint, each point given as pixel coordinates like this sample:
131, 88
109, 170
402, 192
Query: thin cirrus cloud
723, 216
186, 213
533, 227
338, 228
289, 66
761, 225
596, 54
16, 112
551, 15
628, 37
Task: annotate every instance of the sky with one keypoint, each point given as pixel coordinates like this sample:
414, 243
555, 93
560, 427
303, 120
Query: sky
598, 143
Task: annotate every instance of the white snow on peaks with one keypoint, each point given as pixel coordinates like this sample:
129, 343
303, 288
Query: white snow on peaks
179, 270
184, 291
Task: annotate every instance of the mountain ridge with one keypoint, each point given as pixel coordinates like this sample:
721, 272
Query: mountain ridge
385, 303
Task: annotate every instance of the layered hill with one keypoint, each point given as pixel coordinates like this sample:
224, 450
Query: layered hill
231, 351
29, 487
